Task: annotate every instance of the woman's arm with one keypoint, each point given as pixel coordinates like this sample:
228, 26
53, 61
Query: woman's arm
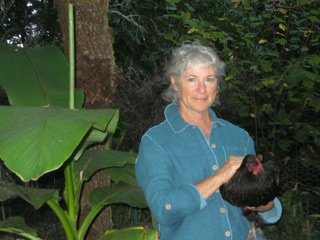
169, 204
273, 214
211, 184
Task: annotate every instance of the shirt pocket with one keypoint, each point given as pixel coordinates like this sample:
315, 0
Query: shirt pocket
234, 151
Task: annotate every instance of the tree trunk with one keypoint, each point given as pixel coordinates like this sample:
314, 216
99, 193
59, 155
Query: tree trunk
96, 73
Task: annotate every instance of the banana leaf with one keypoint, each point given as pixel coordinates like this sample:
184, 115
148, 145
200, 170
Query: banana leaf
17, 225
94, 160
36, 76
37, 140
134, 233
123, 174
34, 196
120, 193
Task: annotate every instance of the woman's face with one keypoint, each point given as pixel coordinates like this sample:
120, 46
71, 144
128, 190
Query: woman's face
197, 88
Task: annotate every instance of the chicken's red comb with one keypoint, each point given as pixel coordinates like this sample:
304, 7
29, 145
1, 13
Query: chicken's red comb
255, 169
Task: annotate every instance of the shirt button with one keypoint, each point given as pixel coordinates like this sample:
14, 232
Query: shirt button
215, 125
222, 210
214, 167
228, 233
168, 206
213, 145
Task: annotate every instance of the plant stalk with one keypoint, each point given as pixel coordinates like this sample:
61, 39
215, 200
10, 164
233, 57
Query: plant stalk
88, 220
26, 235
71, 56
69, 166
68, 225
68, 173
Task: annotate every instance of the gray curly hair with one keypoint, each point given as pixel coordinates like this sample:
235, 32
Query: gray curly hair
192, 54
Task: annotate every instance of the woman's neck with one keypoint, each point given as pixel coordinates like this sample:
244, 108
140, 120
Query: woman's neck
196, 118
202, 121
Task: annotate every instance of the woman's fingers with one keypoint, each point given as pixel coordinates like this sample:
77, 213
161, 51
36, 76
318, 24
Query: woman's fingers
230, 167
262, 208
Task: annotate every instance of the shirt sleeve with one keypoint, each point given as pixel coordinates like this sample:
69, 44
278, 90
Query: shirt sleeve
169, 203
203, 202
274, 214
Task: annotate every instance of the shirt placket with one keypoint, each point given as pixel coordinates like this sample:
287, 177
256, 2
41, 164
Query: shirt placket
218, 154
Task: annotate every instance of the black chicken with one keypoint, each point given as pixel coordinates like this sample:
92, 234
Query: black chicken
254, 184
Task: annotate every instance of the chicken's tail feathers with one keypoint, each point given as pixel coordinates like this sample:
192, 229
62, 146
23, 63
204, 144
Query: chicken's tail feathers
255, 224
253, 217
274, 168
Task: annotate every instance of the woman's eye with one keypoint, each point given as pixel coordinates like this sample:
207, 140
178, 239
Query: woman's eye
211, 79
191, 79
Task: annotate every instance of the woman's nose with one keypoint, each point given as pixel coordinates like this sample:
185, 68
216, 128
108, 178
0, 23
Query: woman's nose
201, 87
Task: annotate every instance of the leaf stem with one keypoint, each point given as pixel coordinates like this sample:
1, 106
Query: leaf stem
26, 235
67, 223
89, 218
70, 191
71, 56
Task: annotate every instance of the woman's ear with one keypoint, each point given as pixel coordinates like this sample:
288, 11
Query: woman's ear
173, 82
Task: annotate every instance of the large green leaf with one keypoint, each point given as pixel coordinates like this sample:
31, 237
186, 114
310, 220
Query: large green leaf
18, 226
34, 196
37, 140
123, 174
134, 233
120, 193
36, 76
94, 160
95, 135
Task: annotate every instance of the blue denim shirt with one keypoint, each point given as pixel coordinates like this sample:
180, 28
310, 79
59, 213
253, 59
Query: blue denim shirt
175, 155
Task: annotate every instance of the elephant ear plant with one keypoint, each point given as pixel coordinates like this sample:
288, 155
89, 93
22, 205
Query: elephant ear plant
41, 132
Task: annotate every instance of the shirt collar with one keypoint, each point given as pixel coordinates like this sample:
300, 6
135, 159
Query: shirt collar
177, 123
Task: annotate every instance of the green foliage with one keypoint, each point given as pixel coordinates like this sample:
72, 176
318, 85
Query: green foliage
294, 224
52, 133
138, 233
35, 197
271, 49
272, 55
38, 139
41, 76
18, 226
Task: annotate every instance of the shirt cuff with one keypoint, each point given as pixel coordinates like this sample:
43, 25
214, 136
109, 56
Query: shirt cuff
274, 214
203, 202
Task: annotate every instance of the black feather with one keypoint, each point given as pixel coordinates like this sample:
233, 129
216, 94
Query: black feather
252, 189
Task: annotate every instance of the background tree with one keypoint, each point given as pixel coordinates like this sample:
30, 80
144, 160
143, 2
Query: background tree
271, 49
96, 73
34, 23
29, 23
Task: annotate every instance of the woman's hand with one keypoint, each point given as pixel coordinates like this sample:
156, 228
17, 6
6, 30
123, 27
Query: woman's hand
211, 184
262, 208
229, 168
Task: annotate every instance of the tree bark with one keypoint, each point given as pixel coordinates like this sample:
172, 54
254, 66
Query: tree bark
96, 73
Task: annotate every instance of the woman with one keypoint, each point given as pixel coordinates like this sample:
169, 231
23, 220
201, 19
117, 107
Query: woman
184, 160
